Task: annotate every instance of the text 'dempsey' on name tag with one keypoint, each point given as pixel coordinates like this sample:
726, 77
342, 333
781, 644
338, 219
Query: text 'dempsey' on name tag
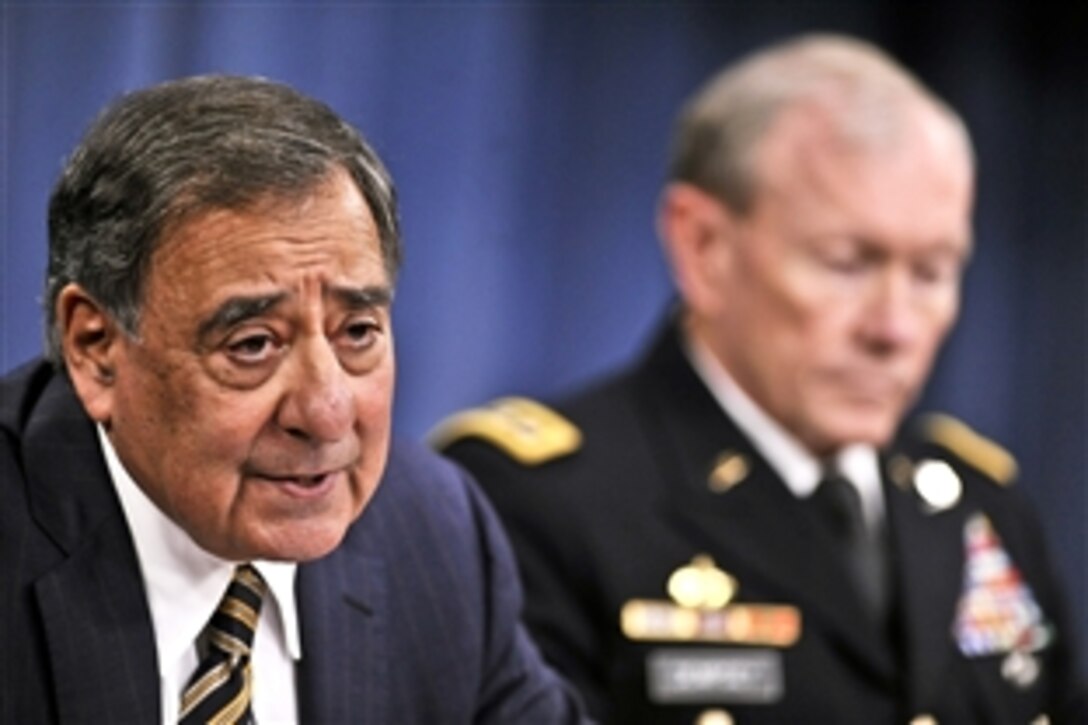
718, 675
752, 624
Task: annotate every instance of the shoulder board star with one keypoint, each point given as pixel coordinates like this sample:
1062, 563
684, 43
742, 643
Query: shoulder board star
529, 432
971, 447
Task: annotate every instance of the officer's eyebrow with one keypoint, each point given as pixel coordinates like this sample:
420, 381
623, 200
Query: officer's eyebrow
238, 309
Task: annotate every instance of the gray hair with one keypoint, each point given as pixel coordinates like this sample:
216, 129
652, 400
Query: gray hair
720, 128
162, 155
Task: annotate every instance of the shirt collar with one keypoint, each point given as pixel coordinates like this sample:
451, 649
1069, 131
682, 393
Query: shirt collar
184, 583
798, 469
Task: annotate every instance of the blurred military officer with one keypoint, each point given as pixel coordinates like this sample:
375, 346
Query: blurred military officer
740, 527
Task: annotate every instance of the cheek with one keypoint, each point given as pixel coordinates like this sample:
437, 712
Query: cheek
227, 431
221, 429
154, 407
373, 396
931, 339
786, 293
799, 323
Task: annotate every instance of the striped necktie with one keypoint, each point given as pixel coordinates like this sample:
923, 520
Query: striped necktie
220, 690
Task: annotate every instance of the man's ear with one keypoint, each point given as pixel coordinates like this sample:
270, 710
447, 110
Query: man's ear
698, 234
90, 343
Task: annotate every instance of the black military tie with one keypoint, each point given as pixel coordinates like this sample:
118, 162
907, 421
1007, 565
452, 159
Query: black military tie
220, 690
862, 549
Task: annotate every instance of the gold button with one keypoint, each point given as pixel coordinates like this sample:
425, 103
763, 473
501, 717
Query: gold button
714, 717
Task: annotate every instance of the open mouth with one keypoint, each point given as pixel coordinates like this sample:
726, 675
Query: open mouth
304, 484
311, 481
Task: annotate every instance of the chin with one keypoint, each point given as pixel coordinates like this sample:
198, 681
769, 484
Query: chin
287, 541
305, 543
875, 431
848, 427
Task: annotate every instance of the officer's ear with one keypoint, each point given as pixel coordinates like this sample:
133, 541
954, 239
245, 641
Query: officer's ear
696, 230
91, 342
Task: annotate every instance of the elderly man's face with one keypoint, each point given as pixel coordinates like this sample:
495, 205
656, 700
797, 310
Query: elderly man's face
845, 277
254, 406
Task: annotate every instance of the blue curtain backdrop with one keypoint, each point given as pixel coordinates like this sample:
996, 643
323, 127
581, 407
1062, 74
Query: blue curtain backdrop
528, 141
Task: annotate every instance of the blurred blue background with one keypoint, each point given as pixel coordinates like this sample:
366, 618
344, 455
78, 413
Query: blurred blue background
528, 143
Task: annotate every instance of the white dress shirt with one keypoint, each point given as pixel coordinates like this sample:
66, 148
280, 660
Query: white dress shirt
184, 584
798, 469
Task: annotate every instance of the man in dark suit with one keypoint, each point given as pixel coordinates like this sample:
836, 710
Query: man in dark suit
203, 516
738, 528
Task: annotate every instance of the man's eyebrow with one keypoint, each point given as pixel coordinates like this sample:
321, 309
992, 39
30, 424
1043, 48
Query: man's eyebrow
239, 309
242, 308
361, 298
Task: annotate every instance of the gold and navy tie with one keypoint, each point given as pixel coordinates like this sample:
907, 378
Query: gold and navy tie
220, 691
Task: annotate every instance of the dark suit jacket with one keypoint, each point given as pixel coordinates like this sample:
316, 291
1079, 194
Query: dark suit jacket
610, 522
412, 619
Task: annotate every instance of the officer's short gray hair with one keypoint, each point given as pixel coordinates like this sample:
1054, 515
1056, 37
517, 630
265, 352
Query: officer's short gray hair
719, 129
165, 154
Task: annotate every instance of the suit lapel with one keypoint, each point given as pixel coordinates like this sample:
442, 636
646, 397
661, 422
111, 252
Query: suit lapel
344, 675
758, 524
93, 608
98, 629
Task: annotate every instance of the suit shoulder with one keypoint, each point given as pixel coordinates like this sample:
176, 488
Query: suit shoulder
529, 432
20, 391
955, 437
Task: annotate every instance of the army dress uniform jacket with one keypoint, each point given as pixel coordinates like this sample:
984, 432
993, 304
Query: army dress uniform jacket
413, 618
645, 477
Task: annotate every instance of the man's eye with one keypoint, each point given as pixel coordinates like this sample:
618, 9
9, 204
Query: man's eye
939, 272
360, 333
844, 264
251, 348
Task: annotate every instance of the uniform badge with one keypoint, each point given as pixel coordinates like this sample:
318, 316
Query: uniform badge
997, 613
701, 585
729, 469
700, 611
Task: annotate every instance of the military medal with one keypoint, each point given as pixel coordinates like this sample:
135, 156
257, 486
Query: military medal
997, 612
700, 611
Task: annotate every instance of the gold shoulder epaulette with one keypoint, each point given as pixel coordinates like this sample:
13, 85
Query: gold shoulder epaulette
977, 450
529, 432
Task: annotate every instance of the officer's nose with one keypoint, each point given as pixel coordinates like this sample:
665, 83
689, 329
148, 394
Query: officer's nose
892, 317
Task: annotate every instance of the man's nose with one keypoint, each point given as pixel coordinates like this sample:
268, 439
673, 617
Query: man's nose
892, 315
318, 404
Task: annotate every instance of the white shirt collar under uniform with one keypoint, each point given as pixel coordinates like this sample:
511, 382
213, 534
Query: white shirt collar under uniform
184, 584
798, 469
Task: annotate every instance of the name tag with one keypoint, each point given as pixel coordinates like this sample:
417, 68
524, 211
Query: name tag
749, 676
